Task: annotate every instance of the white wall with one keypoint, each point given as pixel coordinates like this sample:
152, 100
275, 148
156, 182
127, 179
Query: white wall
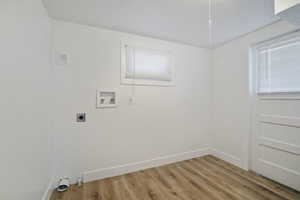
281, 5
231, 103
25, 168
164, 120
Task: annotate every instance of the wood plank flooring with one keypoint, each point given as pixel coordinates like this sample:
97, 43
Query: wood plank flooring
207, 178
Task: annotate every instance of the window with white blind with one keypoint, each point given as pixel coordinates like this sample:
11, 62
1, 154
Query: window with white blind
146, 66
278, 65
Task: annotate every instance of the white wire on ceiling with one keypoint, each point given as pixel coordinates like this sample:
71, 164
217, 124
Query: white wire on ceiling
210, 23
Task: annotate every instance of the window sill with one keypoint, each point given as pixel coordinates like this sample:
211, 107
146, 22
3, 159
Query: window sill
125, 81
282, 95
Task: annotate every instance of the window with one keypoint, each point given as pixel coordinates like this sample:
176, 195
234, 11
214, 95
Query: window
278, 65
146, 66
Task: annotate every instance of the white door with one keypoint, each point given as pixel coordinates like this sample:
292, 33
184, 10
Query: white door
276, 109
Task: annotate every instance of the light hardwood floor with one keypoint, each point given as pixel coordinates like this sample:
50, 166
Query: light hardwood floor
202, 178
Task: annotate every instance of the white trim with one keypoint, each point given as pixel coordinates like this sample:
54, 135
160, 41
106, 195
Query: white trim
133, 167
250, 141
280, 120
277, 38
279, 167
279, 92
49, 190
273, 171
277, 97
103, 173
283, 146
227, 157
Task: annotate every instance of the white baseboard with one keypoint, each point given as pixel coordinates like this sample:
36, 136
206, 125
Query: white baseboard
227, 157
133, 167
49, 190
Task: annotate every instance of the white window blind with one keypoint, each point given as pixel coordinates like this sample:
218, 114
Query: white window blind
148, 64
279, 66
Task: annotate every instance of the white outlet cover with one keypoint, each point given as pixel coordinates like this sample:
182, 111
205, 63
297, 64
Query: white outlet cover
106, 99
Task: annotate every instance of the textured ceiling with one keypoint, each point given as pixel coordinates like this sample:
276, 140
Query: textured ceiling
184, 21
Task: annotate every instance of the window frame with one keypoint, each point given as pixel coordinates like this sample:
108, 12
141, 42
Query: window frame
145, 82
264, 45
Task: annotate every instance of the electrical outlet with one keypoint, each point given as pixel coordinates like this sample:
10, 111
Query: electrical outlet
81, 117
